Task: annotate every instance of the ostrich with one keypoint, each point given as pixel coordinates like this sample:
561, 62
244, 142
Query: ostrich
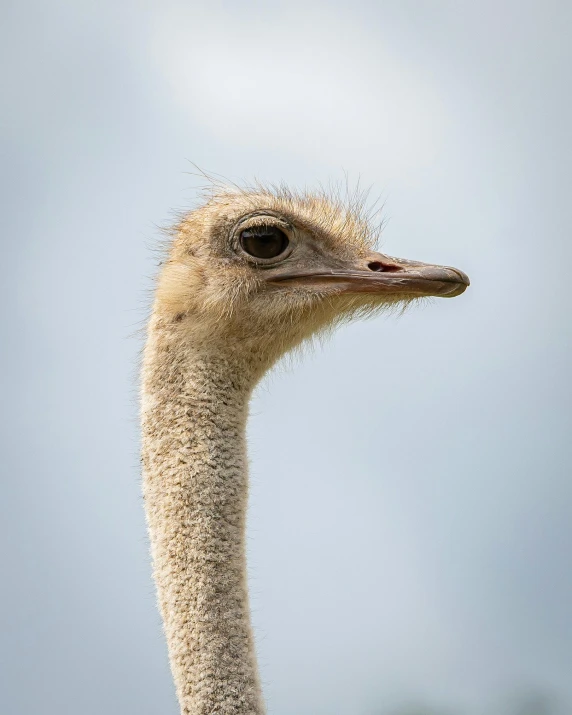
249, 276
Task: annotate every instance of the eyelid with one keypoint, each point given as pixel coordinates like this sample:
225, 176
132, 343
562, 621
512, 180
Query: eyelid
264, 220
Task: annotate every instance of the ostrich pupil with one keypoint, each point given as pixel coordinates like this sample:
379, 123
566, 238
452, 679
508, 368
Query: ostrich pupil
263, 241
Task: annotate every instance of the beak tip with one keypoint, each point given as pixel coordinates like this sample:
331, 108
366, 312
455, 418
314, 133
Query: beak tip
464, 277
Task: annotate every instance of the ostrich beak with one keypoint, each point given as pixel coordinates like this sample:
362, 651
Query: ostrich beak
378, 274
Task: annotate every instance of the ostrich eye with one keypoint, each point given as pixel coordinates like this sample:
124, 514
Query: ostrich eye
264, 241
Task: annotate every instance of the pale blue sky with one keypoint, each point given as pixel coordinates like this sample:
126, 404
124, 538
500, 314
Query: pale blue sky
411, 505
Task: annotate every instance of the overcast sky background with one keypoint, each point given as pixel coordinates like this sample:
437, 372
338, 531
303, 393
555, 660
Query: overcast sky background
410, 523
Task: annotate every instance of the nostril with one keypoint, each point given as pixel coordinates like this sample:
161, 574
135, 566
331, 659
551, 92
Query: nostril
382, 267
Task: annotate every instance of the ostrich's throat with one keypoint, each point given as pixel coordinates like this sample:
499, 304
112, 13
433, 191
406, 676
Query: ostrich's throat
195, 488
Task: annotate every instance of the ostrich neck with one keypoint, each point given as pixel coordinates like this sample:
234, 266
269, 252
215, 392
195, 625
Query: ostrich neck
194, 412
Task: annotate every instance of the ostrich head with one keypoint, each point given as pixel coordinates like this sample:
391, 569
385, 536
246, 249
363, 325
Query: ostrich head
260, 271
